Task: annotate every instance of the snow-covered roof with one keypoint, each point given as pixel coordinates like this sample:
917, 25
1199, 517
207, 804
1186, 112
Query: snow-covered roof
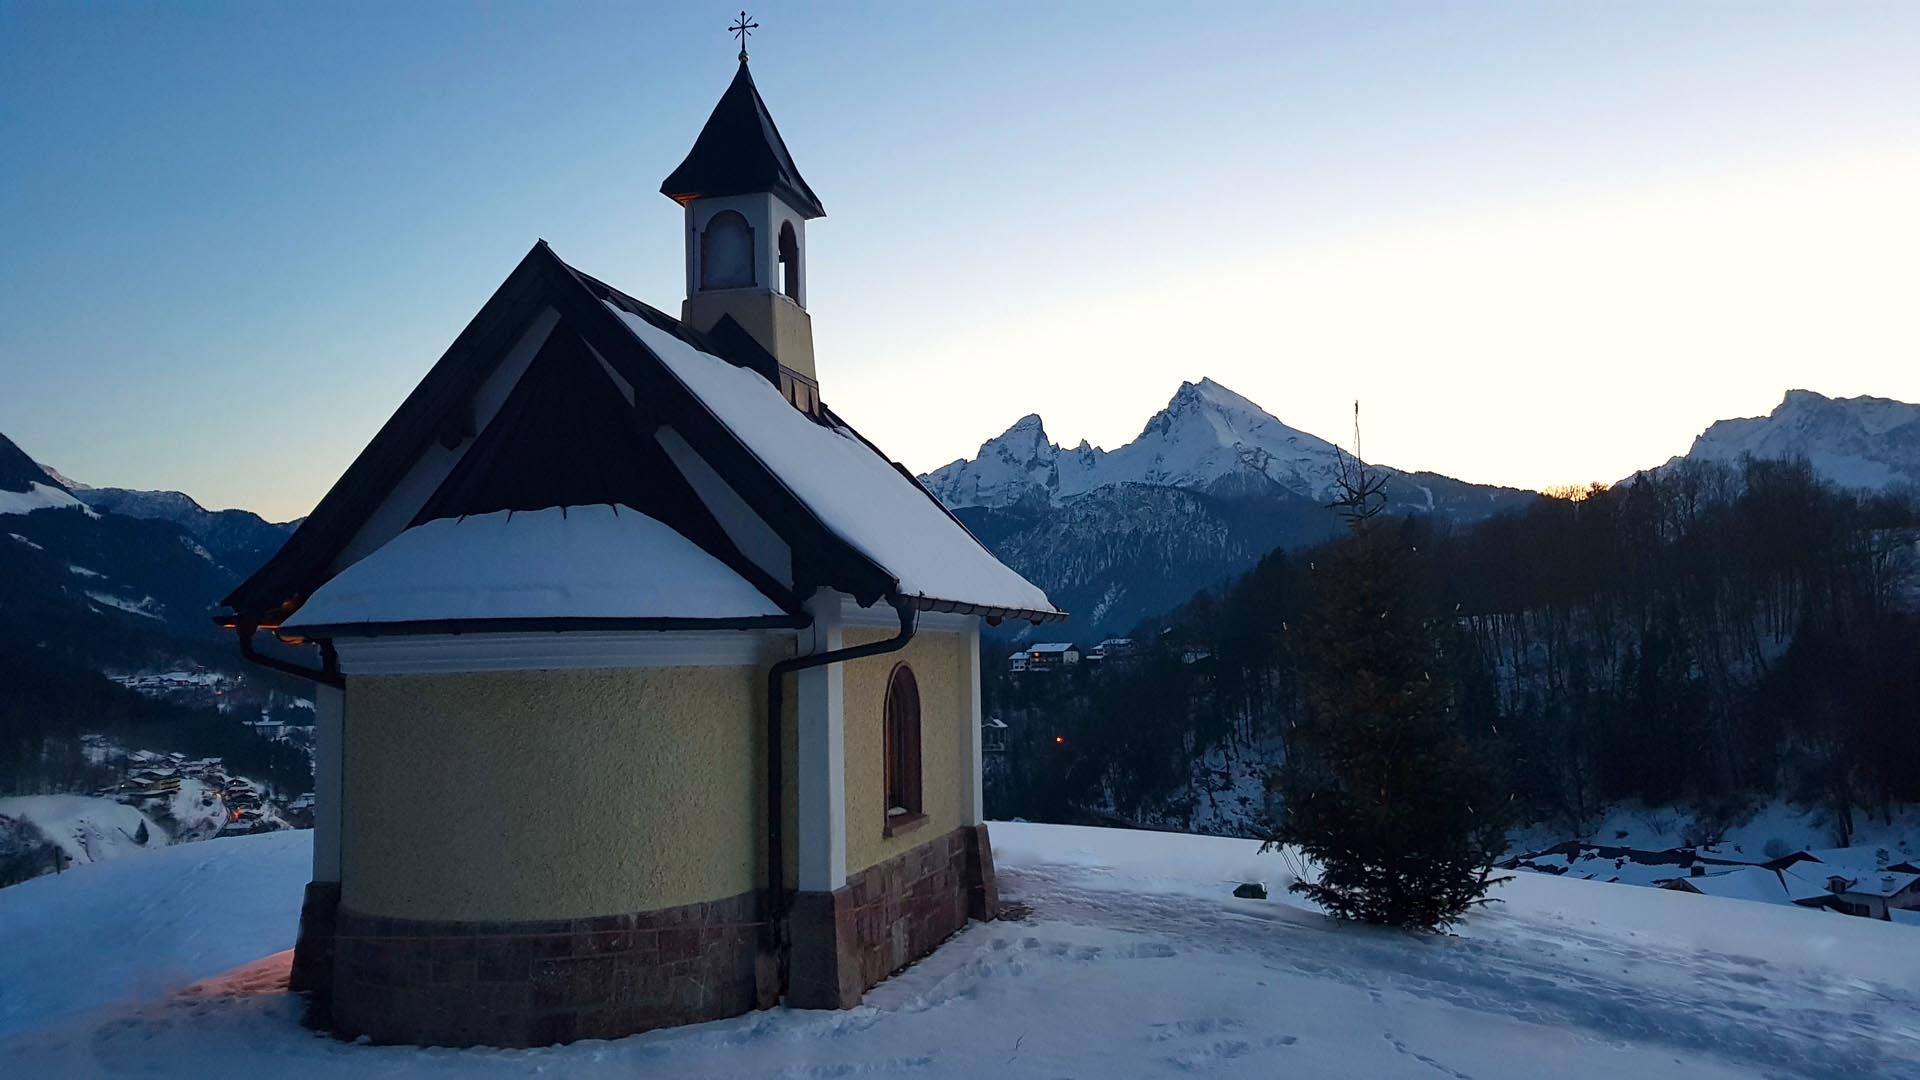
858, 494
1864, 857
580, 562
1880, 883
1051, 647
1746, 883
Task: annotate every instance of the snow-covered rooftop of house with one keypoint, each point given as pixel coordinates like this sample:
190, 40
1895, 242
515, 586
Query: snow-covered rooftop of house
1861, 857
1050, 647
561, 562
1801, 886
1756, 883
1880, 883
855, 492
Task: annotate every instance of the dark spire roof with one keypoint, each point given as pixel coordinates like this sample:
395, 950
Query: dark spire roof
740, 152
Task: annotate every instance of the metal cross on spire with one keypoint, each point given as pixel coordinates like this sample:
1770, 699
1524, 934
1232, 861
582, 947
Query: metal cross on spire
741, 29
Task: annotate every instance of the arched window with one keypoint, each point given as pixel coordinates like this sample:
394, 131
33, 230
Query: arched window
726, 252
903, 746
789, 262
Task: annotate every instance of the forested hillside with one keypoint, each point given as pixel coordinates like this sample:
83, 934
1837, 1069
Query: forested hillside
1707, 635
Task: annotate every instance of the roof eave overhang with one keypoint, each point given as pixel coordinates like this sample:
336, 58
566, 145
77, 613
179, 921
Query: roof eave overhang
557, 625
807, 206
990, 612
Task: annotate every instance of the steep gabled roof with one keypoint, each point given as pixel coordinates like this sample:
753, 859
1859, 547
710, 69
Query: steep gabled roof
869, 503
740, 152
831, 545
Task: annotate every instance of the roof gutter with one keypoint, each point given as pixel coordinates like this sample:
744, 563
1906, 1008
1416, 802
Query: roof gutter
545, 624
776, 765
326, 675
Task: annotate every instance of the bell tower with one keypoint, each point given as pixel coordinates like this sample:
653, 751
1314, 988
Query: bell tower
747, 209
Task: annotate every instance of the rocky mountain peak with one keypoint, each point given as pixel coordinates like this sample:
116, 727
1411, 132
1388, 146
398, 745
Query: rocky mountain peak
1861, 442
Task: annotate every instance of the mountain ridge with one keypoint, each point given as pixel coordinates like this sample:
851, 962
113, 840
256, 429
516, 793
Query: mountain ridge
1207, 438
1865, 442
1212, 483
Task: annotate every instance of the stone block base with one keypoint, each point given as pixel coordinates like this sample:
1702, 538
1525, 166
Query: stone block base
312, 971
886, 917
435, 983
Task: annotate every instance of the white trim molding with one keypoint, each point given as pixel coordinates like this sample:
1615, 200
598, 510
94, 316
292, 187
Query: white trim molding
977, 793
821, 753
429, 654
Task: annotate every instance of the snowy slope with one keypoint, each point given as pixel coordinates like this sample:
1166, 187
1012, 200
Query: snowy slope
1133, 962
87, 828
141, 928
1860, 442
38, 497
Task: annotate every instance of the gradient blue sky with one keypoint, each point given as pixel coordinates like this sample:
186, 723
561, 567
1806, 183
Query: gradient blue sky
1544, 243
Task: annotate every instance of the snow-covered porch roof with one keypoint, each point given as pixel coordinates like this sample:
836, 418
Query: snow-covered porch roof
580, 567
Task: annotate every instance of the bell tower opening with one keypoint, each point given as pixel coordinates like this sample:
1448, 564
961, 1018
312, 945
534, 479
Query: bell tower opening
790, 264
726, 252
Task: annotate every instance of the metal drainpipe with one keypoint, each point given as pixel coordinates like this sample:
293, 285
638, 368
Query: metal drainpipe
776, 794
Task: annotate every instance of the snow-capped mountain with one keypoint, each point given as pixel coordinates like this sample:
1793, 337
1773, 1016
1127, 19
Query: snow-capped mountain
1208, 439
1859, 442
130, 580
26, 487
1212, 483
1207, 436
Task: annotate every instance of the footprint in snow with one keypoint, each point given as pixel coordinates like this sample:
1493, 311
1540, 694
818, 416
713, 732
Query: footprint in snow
1176, 1029
1274, 1041
1209, 1056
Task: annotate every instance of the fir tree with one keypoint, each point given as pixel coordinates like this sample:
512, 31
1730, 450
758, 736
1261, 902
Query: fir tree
1383, 787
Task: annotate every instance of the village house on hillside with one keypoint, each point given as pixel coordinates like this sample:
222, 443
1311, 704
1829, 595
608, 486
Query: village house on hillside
1865, 881
1051, 656
650, 689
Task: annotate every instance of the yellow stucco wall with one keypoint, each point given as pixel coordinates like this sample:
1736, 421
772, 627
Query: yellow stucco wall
942, 666
551, 794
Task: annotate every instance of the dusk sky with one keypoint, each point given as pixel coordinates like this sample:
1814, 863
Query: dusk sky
1542, 243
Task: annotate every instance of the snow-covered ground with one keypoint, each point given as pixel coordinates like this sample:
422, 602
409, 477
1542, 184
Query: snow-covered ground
1772, 829
97, 828
1134, 961
86, 828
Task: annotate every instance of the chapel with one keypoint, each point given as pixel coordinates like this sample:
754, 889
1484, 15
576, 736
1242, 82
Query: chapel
648, 690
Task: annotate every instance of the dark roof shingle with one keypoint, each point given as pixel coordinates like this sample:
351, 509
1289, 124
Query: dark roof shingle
740, 152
